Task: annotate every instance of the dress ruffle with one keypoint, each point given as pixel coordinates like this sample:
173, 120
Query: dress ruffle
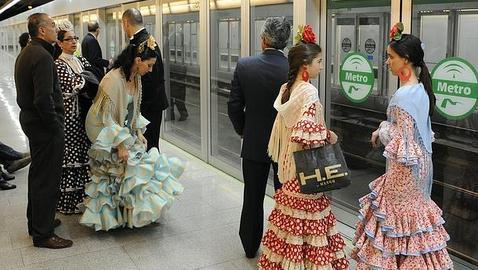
301, 233
384, 234
131, 195
403, 151
308, 132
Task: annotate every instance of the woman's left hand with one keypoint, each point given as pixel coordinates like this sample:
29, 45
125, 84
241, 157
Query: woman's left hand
142, 139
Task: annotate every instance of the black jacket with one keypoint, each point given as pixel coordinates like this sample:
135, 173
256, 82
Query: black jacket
38, 91
255, 86
154, 94
91, 50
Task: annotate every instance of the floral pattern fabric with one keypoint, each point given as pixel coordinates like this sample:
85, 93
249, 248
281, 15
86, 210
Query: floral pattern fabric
400, 226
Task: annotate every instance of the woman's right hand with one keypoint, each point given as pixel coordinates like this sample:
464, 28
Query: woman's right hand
375, 140
122, 153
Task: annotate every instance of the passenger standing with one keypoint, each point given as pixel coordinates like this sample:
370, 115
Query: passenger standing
75, 162
401, 226
129, 185
91, 50
255, 86
42, 120
23, 40
154, 96
301, 232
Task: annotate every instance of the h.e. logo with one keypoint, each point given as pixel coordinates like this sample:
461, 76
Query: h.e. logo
331, 172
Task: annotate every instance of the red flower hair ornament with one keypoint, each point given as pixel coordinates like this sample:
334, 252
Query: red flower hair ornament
305, 34
396, 32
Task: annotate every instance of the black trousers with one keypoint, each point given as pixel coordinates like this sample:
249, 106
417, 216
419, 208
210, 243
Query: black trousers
252, 217
44, 185
153, 128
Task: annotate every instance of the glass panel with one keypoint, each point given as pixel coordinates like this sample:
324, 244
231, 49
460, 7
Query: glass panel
364, 29
448, 29
148, 10
260, 12
225, 51
183, 118
113, 32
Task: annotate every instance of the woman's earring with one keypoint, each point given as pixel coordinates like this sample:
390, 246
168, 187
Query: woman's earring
305, 75
404, 74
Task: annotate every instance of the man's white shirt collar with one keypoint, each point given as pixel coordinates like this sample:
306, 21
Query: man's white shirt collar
132, 37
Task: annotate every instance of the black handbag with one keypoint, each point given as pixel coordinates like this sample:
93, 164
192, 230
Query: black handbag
321, 169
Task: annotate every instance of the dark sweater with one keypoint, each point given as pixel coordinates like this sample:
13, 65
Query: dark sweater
38, 91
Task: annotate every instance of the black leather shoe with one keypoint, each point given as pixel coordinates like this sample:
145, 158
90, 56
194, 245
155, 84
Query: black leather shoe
6, 176
4, 185
18, 164
54, 242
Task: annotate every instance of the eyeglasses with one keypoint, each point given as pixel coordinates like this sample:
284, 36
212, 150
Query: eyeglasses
71, 39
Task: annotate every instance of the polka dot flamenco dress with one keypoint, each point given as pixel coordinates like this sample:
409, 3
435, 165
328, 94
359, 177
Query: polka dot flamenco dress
75, 161
301, 231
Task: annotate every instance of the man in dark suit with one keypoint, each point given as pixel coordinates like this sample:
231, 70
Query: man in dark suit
42, 120
256, 84
91, 50
154, 99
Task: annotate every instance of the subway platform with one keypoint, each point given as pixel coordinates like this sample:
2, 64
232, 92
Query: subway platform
200, 231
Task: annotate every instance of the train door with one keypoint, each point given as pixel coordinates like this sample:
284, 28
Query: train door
362, 33
352, 29
448, 32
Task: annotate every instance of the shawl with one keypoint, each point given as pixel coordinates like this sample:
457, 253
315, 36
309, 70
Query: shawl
414, 100
73, 62
288, 114
113, 97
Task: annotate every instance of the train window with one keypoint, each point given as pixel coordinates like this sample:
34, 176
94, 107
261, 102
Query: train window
194, 41
182, 80
172, 41
225, 28
187, 43
357, 28
259, 11
448, 29
113, 32
179, 42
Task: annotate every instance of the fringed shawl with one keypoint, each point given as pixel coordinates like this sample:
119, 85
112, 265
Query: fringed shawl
113, 97
280, 147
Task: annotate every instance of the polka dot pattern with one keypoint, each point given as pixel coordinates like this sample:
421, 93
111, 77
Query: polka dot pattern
75, 162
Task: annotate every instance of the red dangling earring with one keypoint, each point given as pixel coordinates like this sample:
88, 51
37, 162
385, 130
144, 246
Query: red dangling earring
404, 74
305, 75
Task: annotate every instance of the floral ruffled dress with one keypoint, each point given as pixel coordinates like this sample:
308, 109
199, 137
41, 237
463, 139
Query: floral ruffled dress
400, 226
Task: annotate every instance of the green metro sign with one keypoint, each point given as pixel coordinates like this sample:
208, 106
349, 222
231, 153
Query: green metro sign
356, 77
455, 84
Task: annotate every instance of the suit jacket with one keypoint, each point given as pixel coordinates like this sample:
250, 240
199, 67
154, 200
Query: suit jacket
255, 86
38, 91
154, 94
91, 50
